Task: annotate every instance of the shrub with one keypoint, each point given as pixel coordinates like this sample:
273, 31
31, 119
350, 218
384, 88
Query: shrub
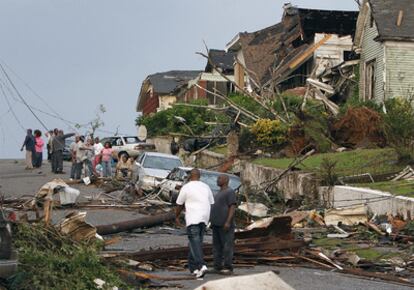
327, 173
399, 127
165, 122
270, 133
249, 104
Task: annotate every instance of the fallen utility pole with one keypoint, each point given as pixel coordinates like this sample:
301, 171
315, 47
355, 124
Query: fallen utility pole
144, 222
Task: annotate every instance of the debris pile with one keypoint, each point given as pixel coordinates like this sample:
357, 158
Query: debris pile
49, 259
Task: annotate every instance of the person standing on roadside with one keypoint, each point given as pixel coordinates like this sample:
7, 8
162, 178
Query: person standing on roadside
72, 150
29, 144
107, 160
97, 150
58, 144
49, 136
90, 157
39, 143
222, 222
196, 197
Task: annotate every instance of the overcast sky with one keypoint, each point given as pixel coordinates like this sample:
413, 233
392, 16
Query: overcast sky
77, 54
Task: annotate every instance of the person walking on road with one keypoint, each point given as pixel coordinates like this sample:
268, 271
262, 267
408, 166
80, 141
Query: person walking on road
39, 143
196, 197
107, 160
58, 144
29, 144
222, 222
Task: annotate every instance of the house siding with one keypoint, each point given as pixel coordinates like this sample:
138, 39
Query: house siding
371, 50
400, 69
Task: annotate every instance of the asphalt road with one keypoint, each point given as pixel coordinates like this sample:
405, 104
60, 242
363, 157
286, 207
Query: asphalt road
17, 182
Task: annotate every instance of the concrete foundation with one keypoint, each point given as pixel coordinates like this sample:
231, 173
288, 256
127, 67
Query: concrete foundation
377, 202
293, 185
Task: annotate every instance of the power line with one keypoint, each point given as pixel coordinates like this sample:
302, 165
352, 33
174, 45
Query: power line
20, 96
54, 113
11, 108
57, 115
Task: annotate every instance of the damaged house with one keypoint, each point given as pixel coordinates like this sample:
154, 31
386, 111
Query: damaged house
210, 82
385, 41
284, 55
158, 91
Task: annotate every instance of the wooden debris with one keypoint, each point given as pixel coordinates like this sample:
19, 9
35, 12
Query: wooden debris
143, 222
346, 216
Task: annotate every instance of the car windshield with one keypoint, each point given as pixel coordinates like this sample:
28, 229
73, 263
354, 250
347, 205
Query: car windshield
210, 179
131, 140
160, 162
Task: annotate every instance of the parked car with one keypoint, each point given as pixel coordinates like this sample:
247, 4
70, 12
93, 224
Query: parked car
154, 167
67, 156
8, 257
171, 186
130, 146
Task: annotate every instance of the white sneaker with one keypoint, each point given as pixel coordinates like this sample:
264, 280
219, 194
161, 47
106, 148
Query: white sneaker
195, 272
202, 272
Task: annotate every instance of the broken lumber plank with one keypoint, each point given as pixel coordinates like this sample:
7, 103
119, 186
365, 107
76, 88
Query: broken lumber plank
144, 222
381, 276
278, 226
272, 244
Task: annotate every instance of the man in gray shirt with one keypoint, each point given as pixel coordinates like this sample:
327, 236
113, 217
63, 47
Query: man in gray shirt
58, 144
222, 221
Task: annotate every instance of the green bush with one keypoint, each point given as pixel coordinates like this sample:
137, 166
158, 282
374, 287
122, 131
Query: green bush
249, 104
399, 127
165, 122
328, 173
270, 133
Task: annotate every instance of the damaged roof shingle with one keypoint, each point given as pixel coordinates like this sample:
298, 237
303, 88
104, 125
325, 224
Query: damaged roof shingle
386, 12
223, 60
167, 82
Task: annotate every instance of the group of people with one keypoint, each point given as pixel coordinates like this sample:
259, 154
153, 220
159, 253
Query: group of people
201, 207
33, 143
96, 159
91, 155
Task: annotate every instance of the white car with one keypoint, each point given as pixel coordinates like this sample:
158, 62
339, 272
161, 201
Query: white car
154, 167
130, 146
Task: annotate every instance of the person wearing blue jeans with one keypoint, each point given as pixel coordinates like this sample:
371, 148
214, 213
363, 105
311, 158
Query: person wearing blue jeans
222, 222
195, 234
196, 197
107, 168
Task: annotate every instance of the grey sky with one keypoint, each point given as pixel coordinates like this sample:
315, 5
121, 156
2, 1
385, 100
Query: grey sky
79, 54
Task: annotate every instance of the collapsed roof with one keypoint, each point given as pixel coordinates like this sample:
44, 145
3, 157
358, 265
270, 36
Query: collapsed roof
164, 83
222, 60
270, 49
167, 82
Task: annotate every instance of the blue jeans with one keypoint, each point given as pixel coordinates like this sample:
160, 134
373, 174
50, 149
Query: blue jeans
195, 235
107, 168
223, 247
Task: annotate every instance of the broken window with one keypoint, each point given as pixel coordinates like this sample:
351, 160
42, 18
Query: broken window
369, 80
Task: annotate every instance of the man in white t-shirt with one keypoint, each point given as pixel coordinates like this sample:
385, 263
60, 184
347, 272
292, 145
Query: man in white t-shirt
196, 197
97, 147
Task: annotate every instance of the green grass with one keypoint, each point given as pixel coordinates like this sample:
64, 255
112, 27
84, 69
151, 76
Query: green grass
219, 149
374, 161
402, 187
